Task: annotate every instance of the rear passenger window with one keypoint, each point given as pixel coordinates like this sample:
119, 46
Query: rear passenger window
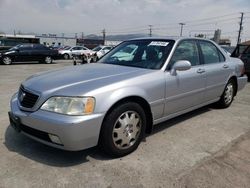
210, 53
186, 50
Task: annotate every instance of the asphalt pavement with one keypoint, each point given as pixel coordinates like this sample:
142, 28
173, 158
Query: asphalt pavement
208, 147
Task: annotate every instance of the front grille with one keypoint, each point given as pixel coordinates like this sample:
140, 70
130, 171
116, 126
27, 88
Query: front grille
26, 98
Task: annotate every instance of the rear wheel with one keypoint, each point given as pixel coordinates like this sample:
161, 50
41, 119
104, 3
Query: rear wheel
7, 60
48, 60
228, 95
123, 129
66, 56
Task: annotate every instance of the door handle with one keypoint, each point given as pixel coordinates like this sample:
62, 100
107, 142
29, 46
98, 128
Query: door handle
225, 66
200, 71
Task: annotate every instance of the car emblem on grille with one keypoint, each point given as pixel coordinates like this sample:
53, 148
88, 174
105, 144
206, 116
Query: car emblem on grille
22, 95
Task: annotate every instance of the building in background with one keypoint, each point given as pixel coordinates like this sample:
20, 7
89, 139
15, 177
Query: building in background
7, 41
54, 40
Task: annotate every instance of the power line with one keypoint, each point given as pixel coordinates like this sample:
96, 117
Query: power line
211, 18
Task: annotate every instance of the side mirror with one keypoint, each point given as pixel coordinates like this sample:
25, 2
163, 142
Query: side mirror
181, 65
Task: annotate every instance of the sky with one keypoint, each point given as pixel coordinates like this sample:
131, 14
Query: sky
125, 17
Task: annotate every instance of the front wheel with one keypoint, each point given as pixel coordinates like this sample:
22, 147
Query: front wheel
123, 129
7, 60
48, 60
228, 95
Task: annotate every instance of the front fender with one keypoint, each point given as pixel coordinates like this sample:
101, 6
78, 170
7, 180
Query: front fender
105, 101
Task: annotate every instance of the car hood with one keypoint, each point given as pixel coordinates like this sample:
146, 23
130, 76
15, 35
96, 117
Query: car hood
79, 79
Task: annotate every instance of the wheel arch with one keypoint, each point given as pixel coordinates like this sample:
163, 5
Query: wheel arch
234, 78
142, 102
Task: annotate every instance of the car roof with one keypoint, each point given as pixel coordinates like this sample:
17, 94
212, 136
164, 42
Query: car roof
175, 38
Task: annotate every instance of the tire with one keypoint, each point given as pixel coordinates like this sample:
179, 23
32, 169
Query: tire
7, 60
118, 137
47, 60
228, 94
248, 77
66, 56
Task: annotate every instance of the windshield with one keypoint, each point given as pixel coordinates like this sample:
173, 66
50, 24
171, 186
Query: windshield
149, 54
67, 48
96, 49
15, 47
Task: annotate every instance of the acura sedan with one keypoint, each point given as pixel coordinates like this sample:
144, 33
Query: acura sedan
114, 102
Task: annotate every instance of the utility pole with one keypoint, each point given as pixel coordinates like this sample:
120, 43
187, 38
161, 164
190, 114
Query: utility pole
103, 36
63, 38
76, 35
82, 35
150, 30
181, 24
241, 28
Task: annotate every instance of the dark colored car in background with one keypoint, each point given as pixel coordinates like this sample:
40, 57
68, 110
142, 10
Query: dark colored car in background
243, 52
245, 57
28, 52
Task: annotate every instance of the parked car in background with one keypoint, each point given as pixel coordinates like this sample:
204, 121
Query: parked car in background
243, 52
101, 50
114, 102
28, 52
245, 57
240, 48
68, 53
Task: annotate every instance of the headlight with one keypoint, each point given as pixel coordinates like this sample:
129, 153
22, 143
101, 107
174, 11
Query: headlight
70, 105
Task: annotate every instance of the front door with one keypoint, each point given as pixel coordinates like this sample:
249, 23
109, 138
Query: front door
23, 53
185, 89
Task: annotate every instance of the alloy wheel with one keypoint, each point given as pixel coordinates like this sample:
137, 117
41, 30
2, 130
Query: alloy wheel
229, 92
48, 60
127, 129
7, 60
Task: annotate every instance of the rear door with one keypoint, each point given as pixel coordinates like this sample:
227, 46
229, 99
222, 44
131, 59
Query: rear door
39, 52
217, 70
185, 89
75, 50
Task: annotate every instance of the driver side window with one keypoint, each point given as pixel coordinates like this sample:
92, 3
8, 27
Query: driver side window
126, 54
186, 50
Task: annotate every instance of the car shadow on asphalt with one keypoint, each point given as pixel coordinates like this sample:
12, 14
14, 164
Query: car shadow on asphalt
44, 154
169, 123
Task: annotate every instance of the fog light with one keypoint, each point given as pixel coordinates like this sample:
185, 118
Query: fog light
55, 139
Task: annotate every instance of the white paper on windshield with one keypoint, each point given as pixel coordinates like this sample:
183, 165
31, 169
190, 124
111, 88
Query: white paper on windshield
158, 43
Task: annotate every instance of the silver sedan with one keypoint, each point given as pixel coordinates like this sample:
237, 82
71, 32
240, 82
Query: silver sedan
114, 102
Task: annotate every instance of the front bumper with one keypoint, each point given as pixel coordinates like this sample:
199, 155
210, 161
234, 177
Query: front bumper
75, 132
241, 81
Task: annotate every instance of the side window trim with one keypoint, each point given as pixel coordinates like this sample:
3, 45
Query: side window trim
221, 55
195, 42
